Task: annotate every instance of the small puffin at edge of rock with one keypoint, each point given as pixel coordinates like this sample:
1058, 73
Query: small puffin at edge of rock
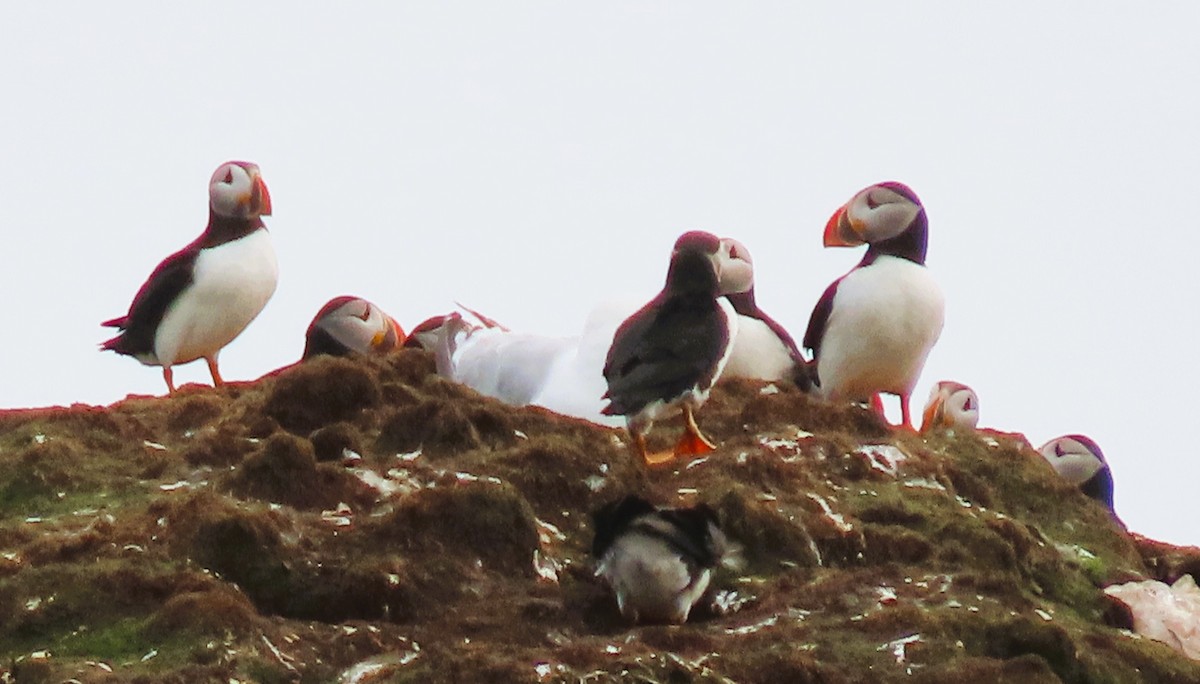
658, 562
351, 325
763, 349
203, 296
667, 355
1079, 461
951, 405
873, 328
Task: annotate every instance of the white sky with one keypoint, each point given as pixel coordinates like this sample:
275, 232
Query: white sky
531, 159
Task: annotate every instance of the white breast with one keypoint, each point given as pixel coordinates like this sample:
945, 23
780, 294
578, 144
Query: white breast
651, 581
758, 353
885, 319
230, 286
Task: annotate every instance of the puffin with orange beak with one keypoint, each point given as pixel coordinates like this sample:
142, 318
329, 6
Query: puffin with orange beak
874, 327
667, 356
203, 296
951, 405
351, 325
763, 349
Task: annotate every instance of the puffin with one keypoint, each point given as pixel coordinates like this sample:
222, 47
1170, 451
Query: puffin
658, 562
351, 325
951, 405
202, 297
763, 349
668, 354
873, 328
1080, 462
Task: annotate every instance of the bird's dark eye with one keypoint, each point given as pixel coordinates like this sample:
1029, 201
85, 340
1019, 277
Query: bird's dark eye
871, 203
229, 176
733, 253
967, 405
1058, 450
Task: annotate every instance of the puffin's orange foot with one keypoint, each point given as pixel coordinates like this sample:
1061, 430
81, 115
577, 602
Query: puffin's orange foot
693, 444
651, 460
658, 458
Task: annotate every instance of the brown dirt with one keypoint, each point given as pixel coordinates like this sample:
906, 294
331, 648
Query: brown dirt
366, 521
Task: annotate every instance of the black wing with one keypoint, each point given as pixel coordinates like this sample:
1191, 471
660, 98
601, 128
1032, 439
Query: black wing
150, 304
666, 348
819, 319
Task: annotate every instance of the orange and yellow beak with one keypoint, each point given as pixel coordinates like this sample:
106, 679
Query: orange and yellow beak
840, 231
389, 339
260, 197
935, 414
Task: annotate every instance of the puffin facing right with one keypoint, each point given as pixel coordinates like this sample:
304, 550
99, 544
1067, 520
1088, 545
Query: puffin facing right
203, 296
667, 356
351, 325
874, 327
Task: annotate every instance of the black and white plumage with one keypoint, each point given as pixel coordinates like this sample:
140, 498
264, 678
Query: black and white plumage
658, 562
667, 356
874, 327
202, 297
763, 349
351, 325
1080, 462
951, 405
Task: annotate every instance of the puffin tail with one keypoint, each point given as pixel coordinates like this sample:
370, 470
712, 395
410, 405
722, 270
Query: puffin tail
115, 344
121, 323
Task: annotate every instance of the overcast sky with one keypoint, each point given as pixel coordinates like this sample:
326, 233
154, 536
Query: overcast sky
532, 159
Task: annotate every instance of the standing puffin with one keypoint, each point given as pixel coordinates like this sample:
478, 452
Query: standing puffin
658, 562
1079, 461
873, 328
763, 349
667, 356
203, 296
951, 404
351, 325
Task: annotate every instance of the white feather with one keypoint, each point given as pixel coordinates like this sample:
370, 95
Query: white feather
231, 284
758, 353
884, 321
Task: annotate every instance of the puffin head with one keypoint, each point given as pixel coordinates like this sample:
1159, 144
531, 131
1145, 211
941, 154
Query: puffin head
737, 267
951, 404
687, 270
1075, 457
880, 214
356, 325
1080, 462
237, 191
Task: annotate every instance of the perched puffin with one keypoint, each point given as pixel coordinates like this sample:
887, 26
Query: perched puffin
658, 562
1079, 461
666, 356
951, 404
873, 328
348, 325
763, 349
203, 296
